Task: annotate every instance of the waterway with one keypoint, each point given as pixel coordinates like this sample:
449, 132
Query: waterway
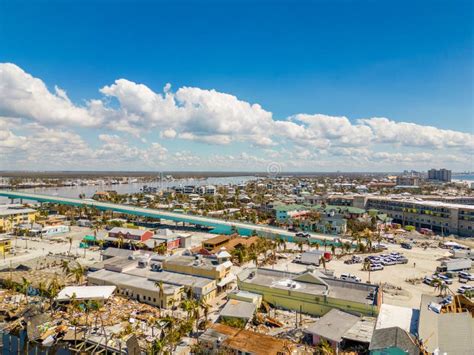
89, 190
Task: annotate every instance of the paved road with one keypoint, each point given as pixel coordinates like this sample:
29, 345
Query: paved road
218, 225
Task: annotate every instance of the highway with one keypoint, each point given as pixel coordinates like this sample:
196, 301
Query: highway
218, 225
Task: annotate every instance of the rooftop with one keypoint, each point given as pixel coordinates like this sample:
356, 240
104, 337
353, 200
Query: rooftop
333, 325
85, 293
452, 333
393, 337
131, 231
124, 280
396, 316
245, 340
217, 240
310, 282
238, 309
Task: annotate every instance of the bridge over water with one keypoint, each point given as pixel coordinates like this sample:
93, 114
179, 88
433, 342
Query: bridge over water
218, 226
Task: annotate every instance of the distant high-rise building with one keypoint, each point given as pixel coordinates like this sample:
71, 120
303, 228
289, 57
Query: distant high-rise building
406, 180
439, 175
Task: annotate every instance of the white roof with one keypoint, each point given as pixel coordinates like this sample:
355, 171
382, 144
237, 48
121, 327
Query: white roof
224, 265
86, 293
223, 254
396, 316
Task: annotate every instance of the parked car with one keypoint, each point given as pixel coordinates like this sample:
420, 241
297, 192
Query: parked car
375, 267
465, 288
466, 275
448, 280
406, 245
350, 277
428, 280
387, 262
402, 260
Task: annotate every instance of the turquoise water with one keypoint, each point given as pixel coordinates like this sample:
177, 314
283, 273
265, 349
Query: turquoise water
467, 177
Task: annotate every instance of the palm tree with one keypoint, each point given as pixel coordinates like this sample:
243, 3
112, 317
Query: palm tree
65, 267
25, 288
367, 267
52, 291
69, 239
441, 286
120, 240
254, 258
324, 348
161, 291
101, 243
78, 272
205, 307
300, 245
322, 261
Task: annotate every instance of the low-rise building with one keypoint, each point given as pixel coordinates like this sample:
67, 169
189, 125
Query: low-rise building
14, 214
236, 310
310, 292
331, 327
200, 266
140, 235
159, 288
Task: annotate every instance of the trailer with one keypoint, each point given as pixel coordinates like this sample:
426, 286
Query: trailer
455, 265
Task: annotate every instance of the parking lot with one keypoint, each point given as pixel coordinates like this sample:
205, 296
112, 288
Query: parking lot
421, 262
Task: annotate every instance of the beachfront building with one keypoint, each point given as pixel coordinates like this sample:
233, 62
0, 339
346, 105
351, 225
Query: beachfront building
12, 215
441, 217
310, 292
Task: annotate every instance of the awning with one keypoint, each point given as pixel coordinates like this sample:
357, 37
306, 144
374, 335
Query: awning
227, 280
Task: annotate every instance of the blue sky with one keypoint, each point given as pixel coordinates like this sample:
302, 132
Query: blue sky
407, 61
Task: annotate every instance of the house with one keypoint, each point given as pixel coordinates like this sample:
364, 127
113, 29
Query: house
393, 341
139, 235
171, 239
331, 327
236, 310
49, 231
216, 242
284, 212
83, 223
220, 338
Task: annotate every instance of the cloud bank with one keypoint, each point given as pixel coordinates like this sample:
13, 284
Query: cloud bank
38, 123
